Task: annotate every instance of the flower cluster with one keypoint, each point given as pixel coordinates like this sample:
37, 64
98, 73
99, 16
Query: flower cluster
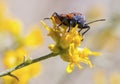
19, 48
67, 45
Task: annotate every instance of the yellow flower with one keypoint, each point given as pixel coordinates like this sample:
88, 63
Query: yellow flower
53, 32
67, 45
7, 23
54, 48
64, 39
34, 38
15, 57
11, 25
77, 56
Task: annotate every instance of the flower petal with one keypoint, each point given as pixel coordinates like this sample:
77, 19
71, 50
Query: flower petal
70, 68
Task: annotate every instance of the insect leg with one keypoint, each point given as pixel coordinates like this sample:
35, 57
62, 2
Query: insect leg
54, 14
79, 30
60, 24
46, 18
71, 23
79, 33
68, 28
86, 30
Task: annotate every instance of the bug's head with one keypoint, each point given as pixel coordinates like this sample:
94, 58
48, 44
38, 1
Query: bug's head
81, 23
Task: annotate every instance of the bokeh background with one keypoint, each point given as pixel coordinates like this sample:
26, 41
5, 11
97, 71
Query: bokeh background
103, 37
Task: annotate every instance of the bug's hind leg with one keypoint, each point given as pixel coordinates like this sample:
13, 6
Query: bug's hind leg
71, 23
54, 14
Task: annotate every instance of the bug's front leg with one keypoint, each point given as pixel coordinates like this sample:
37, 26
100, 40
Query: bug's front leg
71, 23
87, 28
79, 30
68, 28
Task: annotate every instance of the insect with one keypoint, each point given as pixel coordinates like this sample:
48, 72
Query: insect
72, 19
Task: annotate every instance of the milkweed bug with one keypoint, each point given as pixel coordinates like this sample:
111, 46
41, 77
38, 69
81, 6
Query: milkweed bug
72, 19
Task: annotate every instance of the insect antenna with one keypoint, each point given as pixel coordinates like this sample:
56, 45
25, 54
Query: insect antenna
46, 18
95, 21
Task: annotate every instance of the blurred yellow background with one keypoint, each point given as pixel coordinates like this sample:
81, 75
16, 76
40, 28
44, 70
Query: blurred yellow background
22, 19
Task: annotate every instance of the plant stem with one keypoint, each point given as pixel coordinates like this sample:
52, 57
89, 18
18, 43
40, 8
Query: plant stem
9, 71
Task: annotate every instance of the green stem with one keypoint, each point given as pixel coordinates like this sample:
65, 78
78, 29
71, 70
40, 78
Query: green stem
7, 72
